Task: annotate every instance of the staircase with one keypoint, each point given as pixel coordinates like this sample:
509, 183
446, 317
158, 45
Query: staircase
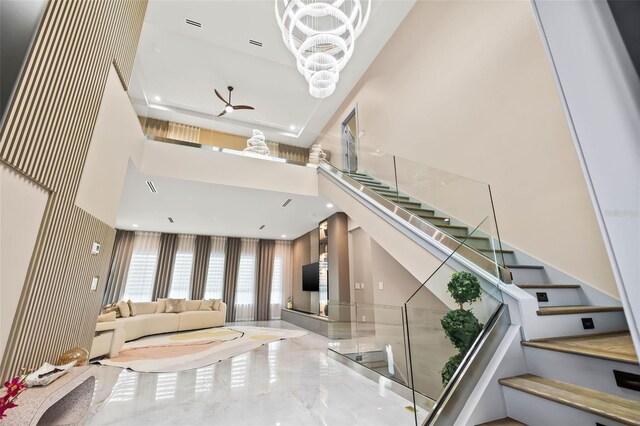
583, 369
459, 232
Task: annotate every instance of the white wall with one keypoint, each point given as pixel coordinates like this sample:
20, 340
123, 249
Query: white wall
117, 137
22, 204
163, 159
601, 94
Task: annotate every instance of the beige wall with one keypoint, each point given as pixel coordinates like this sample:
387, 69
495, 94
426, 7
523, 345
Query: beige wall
22, 204
465, 86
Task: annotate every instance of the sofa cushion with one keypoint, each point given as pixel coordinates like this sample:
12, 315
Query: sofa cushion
192, 320
123, 307
161, 305
144, 308
132, 308
175, 306
206, 305
193, 305
111, 316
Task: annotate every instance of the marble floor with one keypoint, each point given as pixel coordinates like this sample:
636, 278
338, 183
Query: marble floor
289, 382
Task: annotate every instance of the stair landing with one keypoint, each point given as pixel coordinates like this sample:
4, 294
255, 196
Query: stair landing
616, 346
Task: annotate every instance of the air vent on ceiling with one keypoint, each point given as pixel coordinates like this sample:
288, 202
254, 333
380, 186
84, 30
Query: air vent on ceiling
152, 187
194, 23
262, 227
286, 202
170, 219
255, 43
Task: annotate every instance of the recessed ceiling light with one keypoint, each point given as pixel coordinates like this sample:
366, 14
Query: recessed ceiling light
292, 127
157, 98
135, 225
283, 236
329, 205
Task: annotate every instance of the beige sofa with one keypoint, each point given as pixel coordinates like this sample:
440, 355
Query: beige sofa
110, 336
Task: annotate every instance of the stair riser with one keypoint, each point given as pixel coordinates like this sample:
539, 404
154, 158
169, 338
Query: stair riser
570, 325
557, 297
528, 276
436, 222
458, 233
573, 368
535, 411
478, 244
509, 258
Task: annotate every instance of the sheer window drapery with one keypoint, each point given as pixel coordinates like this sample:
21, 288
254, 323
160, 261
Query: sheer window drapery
215, 273
181, 278
282, 275
142, 270
246, 282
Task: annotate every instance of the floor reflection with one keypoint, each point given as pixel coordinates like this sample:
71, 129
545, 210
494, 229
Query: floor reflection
289, 382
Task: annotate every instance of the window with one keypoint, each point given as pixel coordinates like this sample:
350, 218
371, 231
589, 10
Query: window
215, 274
246, 284
276, 288
282, 276
181, 278
142, 270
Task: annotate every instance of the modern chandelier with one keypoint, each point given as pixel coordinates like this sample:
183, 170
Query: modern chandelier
321, 35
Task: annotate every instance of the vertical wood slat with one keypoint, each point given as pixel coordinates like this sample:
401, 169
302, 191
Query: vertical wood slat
46, 136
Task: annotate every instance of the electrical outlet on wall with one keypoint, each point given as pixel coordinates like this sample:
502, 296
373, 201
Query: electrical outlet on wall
381, 285
364, 318
94, 283
357, 286
361, 286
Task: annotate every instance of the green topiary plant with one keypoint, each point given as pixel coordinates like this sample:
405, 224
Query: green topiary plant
460, 325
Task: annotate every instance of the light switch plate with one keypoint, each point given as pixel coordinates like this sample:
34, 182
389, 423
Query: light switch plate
364, 318
94, 283
95, 248
357, 286
361, 286
381, 285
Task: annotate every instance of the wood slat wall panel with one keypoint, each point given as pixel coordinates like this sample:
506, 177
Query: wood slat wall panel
46, 136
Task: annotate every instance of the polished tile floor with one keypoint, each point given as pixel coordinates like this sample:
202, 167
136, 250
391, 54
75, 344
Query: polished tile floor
289, 382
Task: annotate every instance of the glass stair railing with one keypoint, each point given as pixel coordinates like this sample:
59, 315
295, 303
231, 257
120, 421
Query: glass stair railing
449, 208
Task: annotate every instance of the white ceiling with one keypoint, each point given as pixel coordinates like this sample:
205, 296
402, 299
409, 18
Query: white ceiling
182, 65
211, 209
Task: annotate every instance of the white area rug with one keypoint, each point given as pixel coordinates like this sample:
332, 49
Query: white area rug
194, 349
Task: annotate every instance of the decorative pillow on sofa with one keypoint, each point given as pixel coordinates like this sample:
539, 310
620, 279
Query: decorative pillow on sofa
206, 305
124, 309
111, 316
132, 308
175, 306
162, 306
111, 308
216, 304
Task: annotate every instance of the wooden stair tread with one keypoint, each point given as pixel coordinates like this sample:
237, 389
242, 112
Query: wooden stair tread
507, 421
498, 251
591, 401
576, 309
615, 346
548, 286
524, 266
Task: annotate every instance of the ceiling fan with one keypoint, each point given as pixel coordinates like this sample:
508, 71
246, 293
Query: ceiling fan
228, 106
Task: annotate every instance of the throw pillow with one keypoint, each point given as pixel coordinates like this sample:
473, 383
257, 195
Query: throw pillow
206, 305
216, 304
111, 308
174, 306
124, 309
132, 308
162, 304
111, 316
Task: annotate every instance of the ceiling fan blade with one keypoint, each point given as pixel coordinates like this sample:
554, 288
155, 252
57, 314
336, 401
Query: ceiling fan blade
224, 111
242, 107
220, 96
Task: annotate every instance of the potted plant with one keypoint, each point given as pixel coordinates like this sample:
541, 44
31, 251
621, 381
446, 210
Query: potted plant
460, 325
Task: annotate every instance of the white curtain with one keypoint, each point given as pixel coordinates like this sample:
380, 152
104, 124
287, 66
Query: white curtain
215, 273
181, 278
246, 284
142, 270
282, 276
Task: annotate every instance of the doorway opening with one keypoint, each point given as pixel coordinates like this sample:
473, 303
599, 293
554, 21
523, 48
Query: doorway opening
350, 141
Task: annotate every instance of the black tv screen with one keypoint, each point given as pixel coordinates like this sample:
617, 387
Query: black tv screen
311, 277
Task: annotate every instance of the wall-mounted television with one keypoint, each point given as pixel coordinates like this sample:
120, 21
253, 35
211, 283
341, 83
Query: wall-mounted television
311, 277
